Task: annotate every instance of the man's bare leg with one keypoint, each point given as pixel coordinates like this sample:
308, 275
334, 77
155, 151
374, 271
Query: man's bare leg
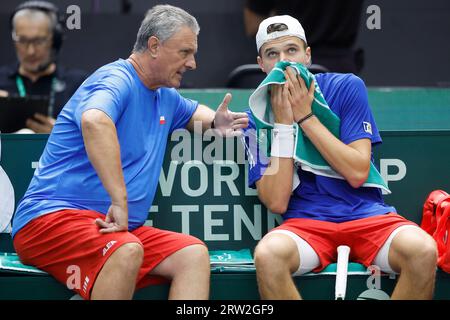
117, 279
276, 258
189, 270
413, 254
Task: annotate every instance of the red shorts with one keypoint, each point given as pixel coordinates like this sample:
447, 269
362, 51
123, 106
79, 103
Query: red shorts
365, 236
64, 240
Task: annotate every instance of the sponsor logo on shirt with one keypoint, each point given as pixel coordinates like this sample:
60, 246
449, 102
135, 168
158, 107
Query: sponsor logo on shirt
108, 246
367, 127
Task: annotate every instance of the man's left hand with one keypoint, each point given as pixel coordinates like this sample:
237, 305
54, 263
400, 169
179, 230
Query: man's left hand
228, 123
41, 123
300, 96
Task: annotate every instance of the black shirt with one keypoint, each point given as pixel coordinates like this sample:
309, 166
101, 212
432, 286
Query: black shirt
327, 23
331, 28
65, 84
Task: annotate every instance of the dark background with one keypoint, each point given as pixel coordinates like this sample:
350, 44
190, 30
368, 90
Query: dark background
411, 49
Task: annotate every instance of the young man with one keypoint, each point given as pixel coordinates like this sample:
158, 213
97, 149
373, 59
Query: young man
90, 196
323, 213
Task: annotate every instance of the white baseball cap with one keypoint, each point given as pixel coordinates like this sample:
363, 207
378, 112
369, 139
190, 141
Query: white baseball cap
294, 28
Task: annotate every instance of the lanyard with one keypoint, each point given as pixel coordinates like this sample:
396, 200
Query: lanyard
23, 92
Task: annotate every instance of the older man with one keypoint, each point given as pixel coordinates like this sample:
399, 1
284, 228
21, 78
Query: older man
97, 177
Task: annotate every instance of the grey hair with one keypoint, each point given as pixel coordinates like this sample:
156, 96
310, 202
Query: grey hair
35, 14
163, 21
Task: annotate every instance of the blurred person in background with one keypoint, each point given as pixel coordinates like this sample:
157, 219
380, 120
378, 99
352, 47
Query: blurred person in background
332, 28
37, 33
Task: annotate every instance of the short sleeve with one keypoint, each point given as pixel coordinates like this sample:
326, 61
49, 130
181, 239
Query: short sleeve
258, 161
357, 121
185, 108
108, 94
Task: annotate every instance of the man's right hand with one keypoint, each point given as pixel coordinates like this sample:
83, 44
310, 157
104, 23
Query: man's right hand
281, 107
116, 220
4, 93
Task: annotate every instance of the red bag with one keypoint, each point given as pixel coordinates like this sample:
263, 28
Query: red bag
436, 222
441, 236
432, 210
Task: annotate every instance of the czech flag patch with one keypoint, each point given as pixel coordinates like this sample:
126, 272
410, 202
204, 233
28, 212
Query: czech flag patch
162, 120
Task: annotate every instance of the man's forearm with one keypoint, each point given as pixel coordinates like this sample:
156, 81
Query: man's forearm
201, 120
275, 186
102, 147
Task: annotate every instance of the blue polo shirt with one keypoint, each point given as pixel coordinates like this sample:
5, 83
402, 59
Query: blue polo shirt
144, 118
323, 198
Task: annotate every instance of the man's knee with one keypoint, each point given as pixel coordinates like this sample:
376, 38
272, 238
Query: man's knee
129, 256
417, 253
423, 263
196, 255
276, 249
427, 253
199, 252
